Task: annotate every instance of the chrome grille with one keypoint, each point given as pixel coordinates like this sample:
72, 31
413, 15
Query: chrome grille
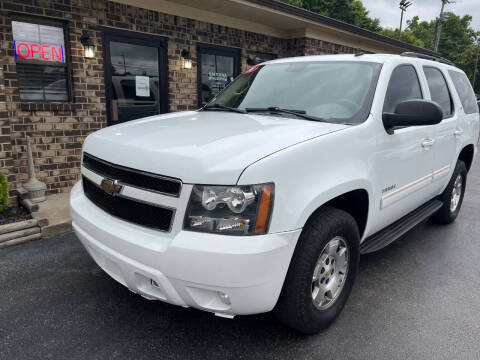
136, 178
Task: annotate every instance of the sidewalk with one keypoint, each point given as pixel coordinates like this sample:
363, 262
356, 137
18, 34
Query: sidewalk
53, 215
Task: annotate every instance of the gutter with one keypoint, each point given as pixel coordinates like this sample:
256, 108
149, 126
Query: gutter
321, 19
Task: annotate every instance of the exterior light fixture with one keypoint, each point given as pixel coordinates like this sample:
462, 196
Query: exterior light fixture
88, 45
251, 61
186, 60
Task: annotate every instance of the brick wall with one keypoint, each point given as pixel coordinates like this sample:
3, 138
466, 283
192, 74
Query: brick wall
58, 130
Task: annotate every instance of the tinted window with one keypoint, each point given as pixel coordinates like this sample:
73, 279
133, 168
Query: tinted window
216, 73
465, 91
42, 83
439, 89
404, 85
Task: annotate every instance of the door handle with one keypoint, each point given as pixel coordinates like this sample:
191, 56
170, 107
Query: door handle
427, 143
458, 132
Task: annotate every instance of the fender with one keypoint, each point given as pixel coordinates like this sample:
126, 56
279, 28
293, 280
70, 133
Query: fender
323, 198
309, 174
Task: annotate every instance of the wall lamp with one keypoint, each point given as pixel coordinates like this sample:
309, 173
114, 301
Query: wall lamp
186, 59
251, 61
88, 45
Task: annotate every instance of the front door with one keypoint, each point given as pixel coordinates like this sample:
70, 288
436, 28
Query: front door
217, 67
135, 75
404, 161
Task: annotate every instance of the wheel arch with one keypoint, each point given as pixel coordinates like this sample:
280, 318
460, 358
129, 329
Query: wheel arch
466, 155
355, 202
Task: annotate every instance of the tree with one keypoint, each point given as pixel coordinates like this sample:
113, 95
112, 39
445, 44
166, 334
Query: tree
349, 11
457, 42
407, 36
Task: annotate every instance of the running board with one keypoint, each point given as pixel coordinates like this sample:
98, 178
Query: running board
392, 232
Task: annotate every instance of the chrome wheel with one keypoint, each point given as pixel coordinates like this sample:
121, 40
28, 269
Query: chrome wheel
330, 273
456, 193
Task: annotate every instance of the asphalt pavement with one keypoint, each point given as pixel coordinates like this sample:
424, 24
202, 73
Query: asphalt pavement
417, 299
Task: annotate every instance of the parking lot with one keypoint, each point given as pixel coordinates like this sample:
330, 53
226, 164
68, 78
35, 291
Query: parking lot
417, 299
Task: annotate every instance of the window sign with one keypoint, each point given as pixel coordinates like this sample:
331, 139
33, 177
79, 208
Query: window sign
41, 64
217, 72
38, 42
142, 86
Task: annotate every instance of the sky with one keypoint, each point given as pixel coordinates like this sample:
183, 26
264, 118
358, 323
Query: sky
389, 13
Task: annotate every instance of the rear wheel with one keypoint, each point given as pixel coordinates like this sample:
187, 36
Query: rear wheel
452, 197
322, 272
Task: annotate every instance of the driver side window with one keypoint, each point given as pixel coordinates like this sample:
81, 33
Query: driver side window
403, 85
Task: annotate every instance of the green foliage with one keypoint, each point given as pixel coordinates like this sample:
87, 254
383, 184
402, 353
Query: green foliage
3, 192
457, 41
349, 11
407, 36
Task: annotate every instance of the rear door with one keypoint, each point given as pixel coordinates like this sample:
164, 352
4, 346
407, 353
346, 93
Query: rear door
444, 149
468, 112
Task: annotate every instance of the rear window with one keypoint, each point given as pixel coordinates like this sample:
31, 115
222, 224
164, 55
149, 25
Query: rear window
465, 92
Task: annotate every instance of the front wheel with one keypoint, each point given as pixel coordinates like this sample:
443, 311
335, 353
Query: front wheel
452, 197
322, 272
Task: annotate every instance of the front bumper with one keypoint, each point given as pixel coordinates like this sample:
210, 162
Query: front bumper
186, 268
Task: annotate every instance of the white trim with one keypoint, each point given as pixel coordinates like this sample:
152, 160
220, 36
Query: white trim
400, 193
135, 193
404, 191
444, 171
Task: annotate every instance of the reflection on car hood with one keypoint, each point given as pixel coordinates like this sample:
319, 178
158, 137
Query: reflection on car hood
209, 147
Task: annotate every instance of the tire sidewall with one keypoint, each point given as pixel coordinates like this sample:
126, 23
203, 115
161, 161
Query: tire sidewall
445, 215
295, 306
350, 234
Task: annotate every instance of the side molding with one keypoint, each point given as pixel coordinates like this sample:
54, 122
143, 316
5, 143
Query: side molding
401, 193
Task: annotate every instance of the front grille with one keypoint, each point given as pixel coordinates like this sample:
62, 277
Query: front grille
133, 211
132, 177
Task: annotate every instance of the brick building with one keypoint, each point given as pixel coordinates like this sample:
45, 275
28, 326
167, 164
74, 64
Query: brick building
70, 67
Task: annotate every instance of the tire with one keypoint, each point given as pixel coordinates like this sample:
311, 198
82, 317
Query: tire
296, 307
448, 212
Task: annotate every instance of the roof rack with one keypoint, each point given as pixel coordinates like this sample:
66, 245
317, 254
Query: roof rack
359, 52
427, 57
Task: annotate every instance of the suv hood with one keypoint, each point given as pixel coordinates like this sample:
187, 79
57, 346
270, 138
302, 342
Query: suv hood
204, 147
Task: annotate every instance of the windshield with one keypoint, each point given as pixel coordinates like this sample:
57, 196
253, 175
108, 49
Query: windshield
331, 91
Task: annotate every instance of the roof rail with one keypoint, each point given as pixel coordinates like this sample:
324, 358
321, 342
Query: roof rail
427, 57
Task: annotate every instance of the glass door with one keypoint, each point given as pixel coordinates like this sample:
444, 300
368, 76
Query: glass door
217, 67
135, 75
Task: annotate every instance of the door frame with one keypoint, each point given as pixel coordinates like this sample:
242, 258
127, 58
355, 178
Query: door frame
136, 38
236, 53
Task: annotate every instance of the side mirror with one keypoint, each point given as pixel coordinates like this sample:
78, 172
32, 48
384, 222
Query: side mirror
413, 113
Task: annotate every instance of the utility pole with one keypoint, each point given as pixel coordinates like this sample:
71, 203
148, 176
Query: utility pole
476, 64
440, 21
404, 4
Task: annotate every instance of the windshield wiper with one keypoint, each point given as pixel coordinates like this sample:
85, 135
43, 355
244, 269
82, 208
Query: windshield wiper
276, 109
224, 107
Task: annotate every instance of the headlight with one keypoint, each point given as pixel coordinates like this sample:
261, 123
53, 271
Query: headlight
234, 210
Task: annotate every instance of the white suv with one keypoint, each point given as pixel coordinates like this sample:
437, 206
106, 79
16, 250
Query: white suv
265, 198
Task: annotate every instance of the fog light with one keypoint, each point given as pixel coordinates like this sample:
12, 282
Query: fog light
224, 298
154, 283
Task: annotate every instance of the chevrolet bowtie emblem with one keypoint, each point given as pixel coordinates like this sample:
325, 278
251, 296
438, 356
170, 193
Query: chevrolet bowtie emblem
111, 186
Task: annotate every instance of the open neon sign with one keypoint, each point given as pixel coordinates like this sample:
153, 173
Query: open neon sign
26, 50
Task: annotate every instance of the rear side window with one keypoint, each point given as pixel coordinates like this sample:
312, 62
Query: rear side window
465, 92
403, 85
439, 89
